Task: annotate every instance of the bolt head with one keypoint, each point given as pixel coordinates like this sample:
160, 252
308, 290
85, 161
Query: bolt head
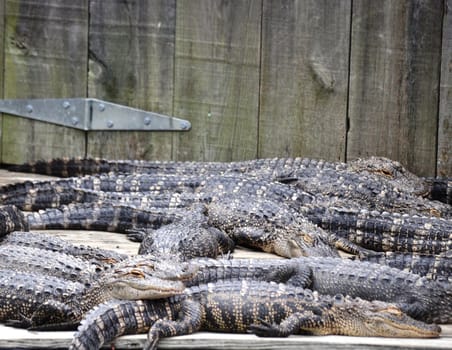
29, 108
110, 124
184, 125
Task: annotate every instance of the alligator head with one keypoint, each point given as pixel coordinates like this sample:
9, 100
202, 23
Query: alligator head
147, 277
358, 317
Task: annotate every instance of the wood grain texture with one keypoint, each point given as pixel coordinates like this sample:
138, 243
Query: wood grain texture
2, 38
395, 58
131, 50
304, 78
13, 338
444, 165
217, 78
45, 56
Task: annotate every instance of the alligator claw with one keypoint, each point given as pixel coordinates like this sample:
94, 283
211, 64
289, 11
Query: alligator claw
151, 341
265, 329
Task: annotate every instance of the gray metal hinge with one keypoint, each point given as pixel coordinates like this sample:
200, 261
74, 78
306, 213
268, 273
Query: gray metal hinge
91, 114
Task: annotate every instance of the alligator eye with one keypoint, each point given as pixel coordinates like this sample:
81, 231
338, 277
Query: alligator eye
393, 310
308, 239
136, 273
146, 264
386, 172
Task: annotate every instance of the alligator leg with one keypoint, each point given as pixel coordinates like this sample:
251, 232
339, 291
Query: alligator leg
54, 316
347, 246
281, 242
50, 316
290, 325
189, 323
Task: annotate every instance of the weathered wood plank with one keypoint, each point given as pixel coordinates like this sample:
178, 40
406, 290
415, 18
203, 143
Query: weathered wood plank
304, 79
131, 52
395, 58
217, 78
444, 165
13, 338
45, 56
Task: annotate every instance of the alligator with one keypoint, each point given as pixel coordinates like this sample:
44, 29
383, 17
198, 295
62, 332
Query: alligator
52, 243
103, 217
301, 238
65, 266
41, 301
150, 277
383, 168
378, 231
383, 231
186, 238
328, 179
11, 219
24, 297
419, 297
266, 309
435, 267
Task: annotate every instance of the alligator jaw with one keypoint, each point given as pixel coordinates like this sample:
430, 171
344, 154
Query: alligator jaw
151, 288
392, 322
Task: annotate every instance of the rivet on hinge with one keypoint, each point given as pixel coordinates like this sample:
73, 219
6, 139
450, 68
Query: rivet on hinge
184, 125
29, 108
74, 120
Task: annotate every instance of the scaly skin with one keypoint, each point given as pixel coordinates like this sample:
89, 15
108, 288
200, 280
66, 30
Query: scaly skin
384, 231
435, 267
24, 296
68, 167
44, 302
257, 229
374, 184
419, 297
186, 238
96, 256
269, 226
11, 219
383, 168
36, 260
102, 217
266, 309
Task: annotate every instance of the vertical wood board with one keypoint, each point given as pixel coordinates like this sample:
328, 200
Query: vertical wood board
45, 57
217, 78
393, 104
131, 54
2, 38
444, 165
304, 79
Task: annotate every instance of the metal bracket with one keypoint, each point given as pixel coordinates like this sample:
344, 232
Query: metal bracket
91, 114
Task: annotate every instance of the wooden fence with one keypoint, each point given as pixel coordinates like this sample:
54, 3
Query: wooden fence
332, 79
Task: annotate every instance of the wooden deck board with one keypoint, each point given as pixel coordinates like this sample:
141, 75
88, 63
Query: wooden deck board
13, 338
